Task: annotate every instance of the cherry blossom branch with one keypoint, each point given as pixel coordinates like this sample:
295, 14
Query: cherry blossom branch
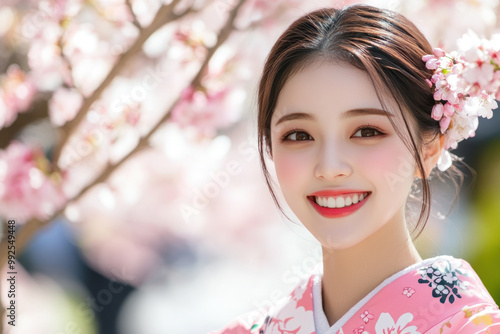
39, 110
134, 17
34, 225
31, 227
164, 15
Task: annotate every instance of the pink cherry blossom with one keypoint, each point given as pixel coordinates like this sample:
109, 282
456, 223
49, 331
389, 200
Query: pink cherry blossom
64, 105
479, 74
432, 64
444, 123
359, 330
27, 188
448, 109
366, 316
17, 91
469, 82
204, 110
481, 106
427, 57
437, 111
463, 126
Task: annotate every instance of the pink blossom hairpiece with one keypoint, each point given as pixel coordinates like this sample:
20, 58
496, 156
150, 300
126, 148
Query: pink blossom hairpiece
465, 84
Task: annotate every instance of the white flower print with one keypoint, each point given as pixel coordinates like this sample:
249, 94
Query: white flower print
290, 320
366, 316
359, 330
386, 325
408, 292
449, 278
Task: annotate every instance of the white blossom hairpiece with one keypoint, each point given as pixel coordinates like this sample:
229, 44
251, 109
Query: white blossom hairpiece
465, 84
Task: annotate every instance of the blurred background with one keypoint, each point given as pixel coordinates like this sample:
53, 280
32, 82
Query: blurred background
129, 163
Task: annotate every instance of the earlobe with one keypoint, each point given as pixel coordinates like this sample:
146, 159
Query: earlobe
431, 155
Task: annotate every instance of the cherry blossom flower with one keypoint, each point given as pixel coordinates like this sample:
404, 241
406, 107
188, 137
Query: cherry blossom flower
480, 106
465, 84
27, 189
17, 91
366, 316
359, 330
64, 105
292, 324
386, 325
195, 34
205, 110
408, 292
49, 70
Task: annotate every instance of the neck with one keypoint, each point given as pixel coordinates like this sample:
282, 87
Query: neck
350, 274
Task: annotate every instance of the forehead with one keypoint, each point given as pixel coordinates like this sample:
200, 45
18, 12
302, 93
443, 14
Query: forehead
332, 87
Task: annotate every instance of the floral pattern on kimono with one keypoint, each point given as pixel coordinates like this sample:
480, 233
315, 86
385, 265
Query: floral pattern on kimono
441, 295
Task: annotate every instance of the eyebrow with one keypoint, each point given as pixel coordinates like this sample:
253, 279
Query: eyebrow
346, 114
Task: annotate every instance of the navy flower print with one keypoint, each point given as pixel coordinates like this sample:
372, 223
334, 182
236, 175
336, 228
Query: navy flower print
444, 280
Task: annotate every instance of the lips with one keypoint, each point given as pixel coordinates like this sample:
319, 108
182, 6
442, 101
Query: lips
336, 194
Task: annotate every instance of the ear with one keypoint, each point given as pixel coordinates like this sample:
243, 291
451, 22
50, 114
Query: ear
430, 156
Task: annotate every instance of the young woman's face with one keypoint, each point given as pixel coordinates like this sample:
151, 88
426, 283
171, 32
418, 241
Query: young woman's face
330, 133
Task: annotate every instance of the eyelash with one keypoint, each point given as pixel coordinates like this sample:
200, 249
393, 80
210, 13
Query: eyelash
365, 126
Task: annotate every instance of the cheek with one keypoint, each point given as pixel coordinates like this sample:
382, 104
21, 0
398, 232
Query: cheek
392, 165
380, 160
289, 168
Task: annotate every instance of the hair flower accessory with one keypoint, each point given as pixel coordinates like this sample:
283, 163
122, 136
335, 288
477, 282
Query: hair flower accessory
465, 84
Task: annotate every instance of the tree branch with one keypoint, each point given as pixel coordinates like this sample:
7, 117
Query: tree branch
134, 17
164, 15
32, 226
39, 110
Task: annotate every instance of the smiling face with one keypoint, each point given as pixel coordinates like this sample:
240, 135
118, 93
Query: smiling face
330, 133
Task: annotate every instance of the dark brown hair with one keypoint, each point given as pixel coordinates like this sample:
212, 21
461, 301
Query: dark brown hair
381, 42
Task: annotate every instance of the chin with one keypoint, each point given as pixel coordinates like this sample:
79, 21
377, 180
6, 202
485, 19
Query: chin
340, 243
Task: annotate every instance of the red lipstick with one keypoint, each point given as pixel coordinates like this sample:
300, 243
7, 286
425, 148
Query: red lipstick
337, 212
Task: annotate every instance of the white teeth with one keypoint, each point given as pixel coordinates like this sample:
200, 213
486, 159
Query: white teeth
340, 201
355, 199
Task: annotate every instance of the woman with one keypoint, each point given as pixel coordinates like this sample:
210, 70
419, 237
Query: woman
349, 114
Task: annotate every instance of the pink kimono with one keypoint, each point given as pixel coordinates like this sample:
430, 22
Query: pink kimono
439, 295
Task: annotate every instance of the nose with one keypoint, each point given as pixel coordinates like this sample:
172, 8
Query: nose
333, 163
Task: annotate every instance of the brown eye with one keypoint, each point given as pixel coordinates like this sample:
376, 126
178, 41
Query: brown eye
367, 132
296, 136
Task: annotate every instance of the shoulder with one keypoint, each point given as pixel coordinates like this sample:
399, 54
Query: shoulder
473, 319
293, 312
470, 307
452, 279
